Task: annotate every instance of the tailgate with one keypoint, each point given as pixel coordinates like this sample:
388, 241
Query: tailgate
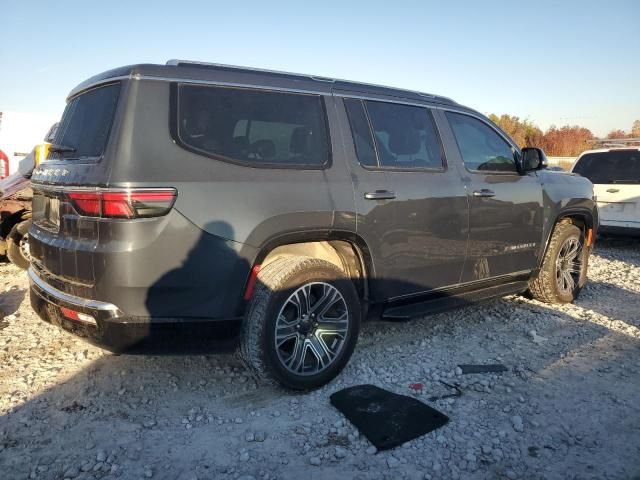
618, 202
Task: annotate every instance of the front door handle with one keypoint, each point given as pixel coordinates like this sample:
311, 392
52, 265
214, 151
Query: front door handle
613, 190
380, 195
485, 192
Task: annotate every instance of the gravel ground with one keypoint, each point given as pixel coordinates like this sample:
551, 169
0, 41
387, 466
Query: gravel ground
567, 408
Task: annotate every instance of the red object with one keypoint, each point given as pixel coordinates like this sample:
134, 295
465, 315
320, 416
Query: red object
416, 387
70, 314
4, 165
251, 283
123, 203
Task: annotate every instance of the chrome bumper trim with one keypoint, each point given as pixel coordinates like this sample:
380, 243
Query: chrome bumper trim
53, 294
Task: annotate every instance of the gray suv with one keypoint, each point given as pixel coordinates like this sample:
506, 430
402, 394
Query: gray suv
292, 206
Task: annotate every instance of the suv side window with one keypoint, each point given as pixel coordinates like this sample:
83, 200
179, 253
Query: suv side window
405, 136
480, 146
254, 127
365, 150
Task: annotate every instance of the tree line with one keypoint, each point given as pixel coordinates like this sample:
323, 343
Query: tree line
566, 141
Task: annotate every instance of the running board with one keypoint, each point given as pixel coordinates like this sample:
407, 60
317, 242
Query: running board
444, 301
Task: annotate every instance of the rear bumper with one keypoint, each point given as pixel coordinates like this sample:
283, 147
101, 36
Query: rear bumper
112, 329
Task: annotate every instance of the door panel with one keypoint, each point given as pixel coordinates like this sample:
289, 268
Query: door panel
417, 233
506, 211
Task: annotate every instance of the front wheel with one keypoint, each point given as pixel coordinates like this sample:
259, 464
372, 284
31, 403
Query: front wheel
302, 324
18, 244
564, 268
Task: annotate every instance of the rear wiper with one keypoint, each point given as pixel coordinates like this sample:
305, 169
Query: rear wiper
60, 148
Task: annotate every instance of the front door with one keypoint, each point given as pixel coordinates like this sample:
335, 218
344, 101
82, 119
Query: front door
506, 210
412, 209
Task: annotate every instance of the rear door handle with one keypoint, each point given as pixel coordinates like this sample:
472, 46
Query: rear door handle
613, 190
485, 192
380, 195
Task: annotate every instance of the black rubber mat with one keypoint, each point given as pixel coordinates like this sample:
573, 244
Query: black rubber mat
385, 418
491, 368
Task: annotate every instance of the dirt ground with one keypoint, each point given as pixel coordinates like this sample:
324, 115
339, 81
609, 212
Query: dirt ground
569, 406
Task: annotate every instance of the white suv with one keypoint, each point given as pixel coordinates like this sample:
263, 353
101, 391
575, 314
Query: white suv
615, 174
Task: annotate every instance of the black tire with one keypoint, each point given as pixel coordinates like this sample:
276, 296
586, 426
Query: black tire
546, 287
276, 283
15, 244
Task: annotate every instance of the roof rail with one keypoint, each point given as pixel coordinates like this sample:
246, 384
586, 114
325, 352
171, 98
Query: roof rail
617, 142
222, 66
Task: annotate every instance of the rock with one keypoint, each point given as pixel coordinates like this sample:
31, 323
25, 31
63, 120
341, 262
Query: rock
372, 450
458, 371
517, 423
244, 457
260, 436
250, 437
71, 472
340, 452
148, 472
393, 462
101, 456
315, 461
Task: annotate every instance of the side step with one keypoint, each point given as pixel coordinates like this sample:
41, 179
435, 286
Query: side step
443, 301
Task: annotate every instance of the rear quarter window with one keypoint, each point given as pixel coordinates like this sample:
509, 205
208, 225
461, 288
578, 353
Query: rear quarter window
622, 166
252, 127
86, 123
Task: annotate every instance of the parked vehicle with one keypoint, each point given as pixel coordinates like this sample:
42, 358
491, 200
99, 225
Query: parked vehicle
615, 174
15, 206
189, 193
15, 217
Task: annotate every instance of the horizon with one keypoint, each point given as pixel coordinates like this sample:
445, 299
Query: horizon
415, 46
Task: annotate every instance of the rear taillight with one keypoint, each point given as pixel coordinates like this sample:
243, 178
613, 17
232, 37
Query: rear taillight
4, 165
132, 203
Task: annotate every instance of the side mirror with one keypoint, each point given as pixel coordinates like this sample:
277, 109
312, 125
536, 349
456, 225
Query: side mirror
533, 158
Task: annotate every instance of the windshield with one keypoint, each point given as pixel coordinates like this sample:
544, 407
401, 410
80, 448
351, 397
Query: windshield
616, 166
85, 124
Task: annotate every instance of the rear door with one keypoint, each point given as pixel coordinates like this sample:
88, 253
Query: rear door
411, 208
616, 183
506, 211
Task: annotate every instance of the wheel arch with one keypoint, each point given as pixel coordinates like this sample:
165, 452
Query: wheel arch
580, 217
346, 250
13, 219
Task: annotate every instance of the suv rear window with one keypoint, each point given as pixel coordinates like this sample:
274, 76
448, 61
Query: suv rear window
622, 166
86, 123
254, 127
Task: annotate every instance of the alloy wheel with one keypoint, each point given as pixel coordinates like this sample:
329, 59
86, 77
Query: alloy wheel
24, 247
569, 265
311, 328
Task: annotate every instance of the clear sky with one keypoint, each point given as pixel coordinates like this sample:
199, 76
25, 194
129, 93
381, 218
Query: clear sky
551, 61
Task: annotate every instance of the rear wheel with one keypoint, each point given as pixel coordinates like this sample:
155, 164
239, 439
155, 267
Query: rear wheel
564, 268
18, 244
302, 324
